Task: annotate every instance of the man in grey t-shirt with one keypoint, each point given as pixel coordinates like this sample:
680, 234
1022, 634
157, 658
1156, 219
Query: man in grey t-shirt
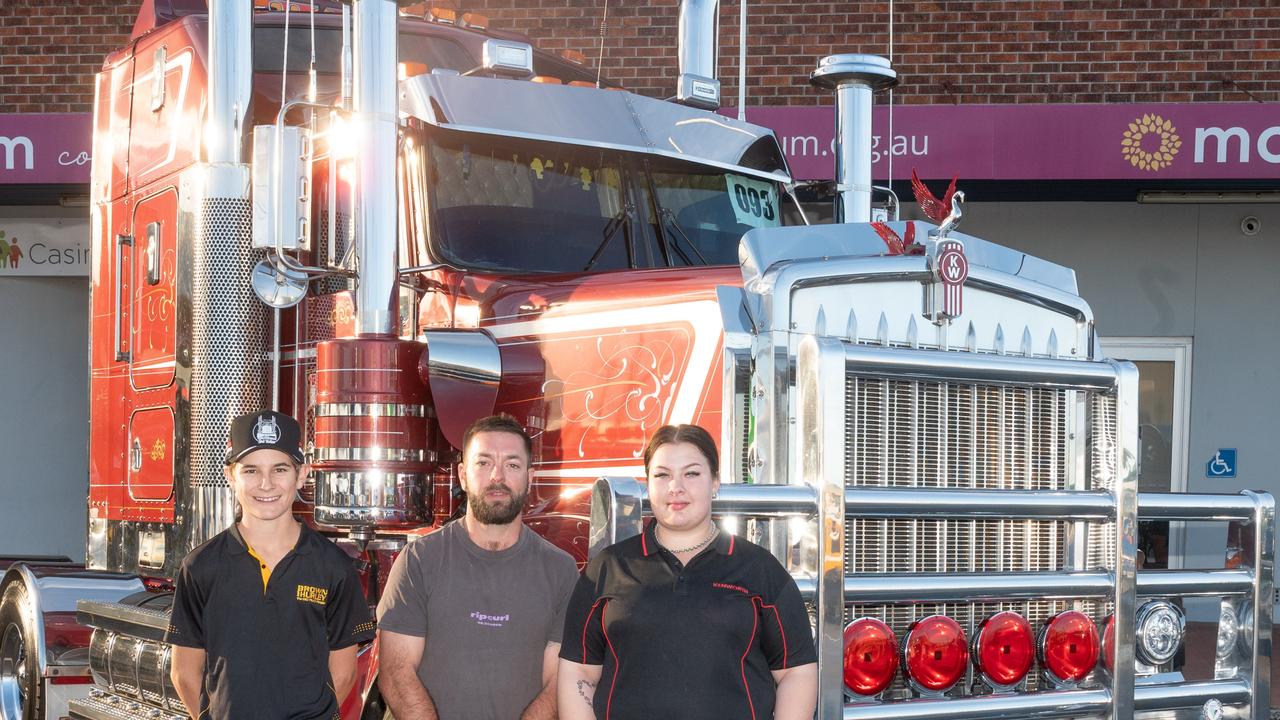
470, 621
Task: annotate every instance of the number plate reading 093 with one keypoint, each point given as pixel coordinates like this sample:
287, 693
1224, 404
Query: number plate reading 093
754, 202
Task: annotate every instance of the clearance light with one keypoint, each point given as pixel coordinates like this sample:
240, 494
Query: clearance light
1069, 647
417, 10
444, 15
574, 56
475, 20
870, 657
1161, 625
1004, 649
935, 653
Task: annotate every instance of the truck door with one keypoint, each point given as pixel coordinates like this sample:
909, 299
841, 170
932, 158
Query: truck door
153, 346
152, 333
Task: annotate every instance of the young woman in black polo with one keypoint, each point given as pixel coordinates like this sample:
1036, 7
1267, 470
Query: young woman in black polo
684, 622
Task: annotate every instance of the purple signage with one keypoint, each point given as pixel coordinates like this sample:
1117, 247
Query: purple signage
1204, 141
45, 148
1156, 142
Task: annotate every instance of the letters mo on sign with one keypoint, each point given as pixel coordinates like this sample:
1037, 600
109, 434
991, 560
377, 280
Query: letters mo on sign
32, 247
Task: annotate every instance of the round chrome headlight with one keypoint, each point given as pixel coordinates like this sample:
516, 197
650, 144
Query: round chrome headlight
1161, 626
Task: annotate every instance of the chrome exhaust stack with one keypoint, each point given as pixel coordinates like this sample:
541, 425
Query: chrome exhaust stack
855, 78
699, 33
376, 126
230, 78
224, 372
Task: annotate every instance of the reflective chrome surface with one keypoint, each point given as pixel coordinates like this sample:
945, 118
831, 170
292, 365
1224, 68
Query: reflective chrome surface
507, 57
371, 410
616, 511
375, 128
735, 414
901, 364
369, 497
761, 249
1125, 537
1024, 504
1183, 506
697, 53
281, 179
230, 67
976, 587
53, 592
1063, 704
821, 432
1262, 542
1204, 583
609, 119
374, 455
277, 287
462, 368
855, 78
227, 362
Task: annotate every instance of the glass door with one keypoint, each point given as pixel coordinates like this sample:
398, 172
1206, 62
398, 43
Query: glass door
1164, 394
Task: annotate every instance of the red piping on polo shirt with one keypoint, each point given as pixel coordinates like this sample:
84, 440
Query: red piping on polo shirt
743, 663
617, 665
781, 632
587, 622
730, 544
644, 544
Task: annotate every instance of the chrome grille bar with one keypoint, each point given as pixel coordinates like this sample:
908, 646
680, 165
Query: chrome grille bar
1060, 704
1204, 583
1004, 504
935, 365
1179, 506
976, 587
1063, 704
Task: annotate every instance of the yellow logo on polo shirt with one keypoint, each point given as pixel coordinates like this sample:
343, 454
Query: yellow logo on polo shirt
316, 595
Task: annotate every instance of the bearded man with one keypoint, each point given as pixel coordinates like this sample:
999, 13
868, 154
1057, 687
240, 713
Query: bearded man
471, 618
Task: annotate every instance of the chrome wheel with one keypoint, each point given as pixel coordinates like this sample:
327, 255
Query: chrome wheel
13, 672
18, 677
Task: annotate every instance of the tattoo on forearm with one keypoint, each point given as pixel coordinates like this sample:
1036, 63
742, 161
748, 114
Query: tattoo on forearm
587, 691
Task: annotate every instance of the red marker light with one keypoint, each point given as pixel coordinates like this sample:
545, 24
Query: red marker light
870, 656
935, 653
1004, 649
1069, 646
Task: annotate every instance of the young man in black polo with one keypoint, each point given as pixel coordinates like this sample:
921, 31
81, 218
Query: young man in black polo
267, 615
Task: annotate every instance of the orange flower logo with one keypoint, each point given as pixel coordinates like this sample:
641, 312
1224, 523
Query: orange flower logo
1150, 143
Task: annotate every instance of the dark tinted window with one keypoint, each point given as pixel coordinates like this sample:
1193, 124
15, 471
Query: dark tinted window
528, 207
506, 204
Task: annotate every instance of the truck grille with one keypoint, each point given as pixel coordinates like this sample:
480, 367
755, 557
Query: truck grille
927, 434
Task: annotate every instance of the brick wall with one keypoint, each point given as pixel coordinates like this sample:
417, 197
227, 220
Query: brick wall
50, 51
959, 51
963, 51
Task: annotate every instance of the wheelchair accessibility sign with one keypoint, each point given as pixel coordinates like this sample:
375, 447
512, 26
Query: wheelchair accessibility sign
1222, 464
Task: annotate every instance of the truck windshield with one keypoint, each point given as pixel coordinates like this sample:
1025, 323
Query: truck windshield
526, 207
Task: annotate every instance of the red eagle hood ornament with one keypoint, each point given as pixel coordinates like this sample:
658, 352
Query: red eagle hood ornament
933, 208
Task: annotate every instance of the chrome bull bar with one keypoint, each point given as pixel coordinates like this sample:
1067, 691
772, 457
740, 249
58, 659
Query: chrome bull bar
1242, 680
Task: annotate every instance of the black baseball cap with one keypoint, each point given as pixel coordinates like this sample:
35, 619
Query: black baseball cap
262, 430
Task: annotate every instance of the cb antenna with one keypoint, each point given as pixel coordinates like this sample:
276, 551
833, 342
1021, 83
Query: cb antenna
604, 23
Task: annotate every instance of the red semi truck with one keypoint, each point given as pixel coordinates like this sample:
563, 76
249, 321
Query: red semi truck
389, 221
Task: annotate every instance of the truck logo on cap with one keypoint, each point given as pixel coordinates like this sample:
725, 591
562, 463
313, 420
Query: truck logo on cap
266, 431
